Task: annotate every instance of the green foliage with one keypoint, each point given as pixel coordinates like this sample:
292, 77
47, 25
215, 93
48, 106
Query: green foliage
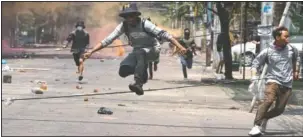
297, 22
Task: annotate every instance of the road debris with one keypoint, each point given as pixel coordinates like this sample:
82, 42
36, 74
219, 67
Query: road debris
96, 90
9, 101
86, 99
79, 87
235, 108
21, 70
7, 78
121, 105
37, 91
105, 111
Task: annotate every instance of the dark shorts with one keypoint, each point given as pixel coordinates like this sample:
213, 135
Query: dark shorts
77, 55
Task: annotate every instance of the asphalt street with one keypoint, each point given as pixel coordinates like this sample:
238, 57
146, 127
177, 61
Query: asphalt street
171, 106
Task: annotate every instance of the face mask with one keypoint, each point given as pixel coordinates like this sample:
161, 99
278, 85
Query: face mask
186, 34
79, 28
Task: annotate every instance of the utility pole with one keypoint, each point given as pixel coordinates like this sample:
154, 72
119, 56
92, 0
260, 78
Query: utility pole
245, 35
264, 31
266, 24
208, 47
241, 34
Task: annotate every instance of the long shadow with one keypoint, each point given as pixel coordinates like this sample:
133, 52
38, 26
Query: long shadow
128, 123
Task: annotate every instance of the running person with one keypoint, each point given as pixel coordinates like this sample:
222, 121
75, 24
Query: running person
187, 59
283, 67
142, 35
80, 40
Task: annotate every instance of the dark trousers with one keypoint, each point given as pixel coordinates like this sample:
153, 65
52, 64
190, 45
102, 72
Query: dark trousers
135, 63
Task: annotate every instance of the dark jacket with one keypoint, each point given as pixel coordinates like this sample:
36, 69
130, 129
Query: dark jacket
80, 39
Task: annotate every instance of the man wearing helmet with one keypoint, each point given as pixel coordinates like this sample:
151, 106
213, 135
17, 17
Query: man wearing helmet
80, 40
145, 46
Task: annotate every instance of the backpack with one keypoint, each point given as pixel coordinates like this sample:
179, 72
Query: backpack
126, 30
293, 55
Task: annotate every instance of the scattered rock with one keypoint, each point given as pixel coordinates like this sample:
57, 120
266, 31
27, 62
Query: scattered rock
134, 103
37, 91
78, 87
85, 99
9, 101
190, 100
105, 111
43, 86
109, 89
233, 108
96, 90
129, 111
7, 78
22, 70
57, 79
101, 60
122, 105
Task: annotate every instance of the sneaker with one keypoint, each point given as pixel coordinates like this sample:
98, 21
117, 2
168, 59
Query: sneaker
136, 88
255, 131
263, 125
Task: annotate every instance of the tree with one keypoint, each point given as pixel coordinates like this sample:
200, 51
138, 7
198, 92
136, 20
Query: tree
224, 23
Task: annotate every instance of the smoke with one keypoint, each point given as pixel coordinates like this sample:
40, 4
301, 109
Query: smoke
104, 12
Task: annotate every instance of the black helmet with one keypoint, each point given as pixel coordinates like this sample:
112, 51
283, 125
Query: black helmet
80, 23
128, 9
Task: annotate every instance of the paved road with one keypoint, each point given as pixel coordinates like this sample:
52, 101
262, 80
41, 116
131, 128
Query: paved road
177, 108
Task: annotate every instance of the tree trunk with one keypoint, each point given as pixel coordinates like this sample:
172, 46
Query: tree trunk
224, 23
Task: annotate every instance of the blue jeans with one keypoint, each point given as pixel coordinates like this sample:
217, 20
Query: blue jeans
186, 63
